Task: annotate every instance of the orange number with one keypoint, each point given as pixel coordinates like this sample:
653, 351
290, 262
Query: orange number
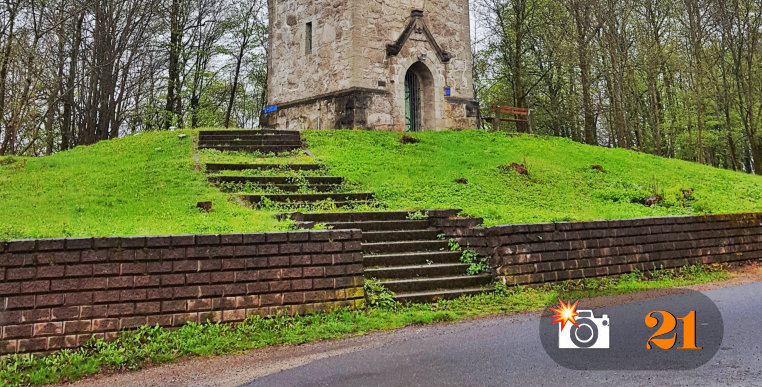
668, 326
689, 331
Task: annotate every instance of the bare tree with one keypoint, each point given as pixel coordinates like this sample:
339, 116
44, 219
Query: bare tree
581, 11
246, 26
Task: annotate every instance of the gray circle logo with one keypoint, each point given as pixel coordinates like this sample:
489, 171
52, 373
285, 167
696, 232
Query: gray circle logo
679, 332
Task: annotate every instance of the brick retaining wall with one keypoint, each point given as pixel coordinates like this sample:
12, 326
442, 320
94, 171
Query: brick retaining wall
539, 253
58, 293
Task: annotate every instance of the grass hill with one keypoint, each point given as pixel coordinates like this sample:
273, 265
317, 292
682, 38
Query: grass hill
561, 185
147, 185
138, 185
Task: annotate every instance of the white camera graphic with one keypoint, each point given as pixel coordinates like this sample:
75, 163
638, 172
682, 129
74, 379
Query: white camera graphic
593, 332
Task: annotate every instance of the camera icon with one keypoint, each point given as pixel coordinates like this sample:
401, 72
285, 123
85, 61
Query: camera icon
590, 332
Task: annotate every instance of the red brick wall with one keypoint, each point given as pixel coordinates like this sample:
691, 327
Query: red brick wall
58, 293
539, 253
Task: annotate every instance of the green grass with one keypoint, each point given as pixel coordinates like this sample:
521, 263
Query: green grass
561, 185
138, 185
154, 345
146, 184
215, 156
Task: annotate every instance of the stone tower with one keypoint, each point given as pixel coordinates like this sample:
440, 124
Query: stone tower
395, 65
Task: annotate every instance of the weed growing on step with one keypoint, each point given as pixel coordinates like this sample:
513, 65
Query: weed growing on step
476, 265
417, 215
328, 205
378, 296
154, 346
454, 245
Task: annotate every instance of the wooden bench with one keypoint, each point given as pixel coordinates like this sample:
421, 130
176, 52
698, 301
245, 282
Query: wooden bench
521, 115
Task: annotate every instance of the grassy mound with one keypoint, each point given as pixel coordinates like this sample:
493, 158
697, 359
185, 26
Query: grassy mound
147, 185
141, 185
566, 180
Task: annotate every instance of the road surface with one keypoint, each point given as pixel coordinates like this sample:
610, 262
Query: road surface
487, 351
507, 351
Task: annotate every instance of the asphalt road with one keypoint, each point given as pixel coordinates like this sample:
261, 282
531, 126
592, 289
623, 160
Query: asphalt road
508, 351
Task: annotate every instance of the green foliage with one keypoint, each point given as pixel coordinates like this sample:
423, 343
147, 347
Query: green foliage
322, 227
127, 187
417, 215
119, 187
562, 184
476, 265
454, 245
214, 156
378, 296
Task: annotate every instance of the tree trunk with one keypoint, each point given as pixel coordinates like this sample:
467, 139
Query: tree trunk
173, 82
67, 128
581, 13
239, 60
12, 12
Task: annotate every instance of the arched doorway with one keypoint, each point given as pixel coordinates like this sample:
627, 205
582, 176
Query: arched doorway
419, 98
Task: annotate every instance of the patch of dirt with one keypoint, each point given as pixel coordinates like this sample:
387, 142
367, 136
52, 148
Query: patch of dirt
652, 201
205, 206
406, 139
240, 369
688, 194
598, 168
521, 169
462, 181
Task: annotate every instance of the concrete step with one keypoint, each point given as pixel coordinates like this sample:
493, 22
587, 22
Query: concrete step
410, 259
384, 225
310, 198
273, 142
417, 271
246, 132
305, 206
254, 148
334, 217
253, 140
216, 167
439, 295
287, 188
404, 247
249, 134
265, 180
408, 285
397, 236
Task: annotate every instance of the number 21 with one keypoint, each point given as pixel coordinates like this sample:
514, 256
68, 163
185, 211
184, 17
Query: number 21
668, 326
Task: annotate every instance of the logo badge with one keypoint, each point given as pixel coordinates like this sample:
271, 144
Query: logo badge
580, 329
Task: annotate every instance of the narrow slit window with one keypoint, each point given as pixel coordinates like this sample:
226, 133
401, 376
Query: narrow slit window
308, 38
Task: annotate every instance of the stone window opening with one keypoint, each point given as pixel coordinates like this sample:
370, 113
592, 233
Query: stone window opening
308, 38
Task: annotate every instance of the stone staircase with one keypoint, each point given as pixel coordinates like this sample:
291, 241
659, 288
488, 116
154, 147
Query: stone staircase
297, 186
262, 141
406, 255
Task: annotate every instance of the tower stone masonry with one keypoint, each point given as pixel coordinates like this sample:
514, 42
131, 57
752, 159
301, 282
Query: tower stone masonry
393, 65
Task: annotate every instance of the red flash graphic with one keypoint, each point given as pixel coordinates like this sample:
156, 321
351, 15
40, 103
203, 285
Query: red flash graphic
565, 313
